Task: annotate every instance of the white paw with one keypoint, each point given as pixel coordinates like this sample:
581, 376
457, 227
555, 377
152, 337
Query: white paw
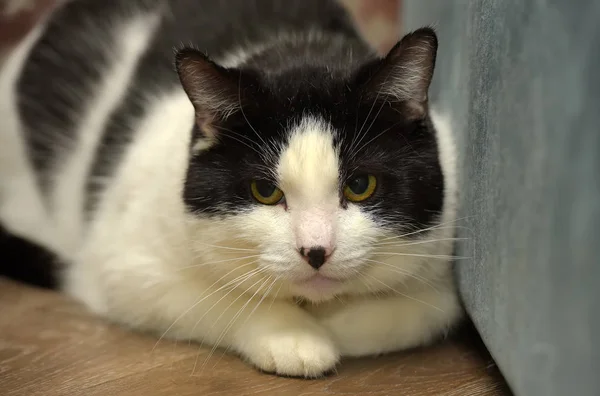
297, 352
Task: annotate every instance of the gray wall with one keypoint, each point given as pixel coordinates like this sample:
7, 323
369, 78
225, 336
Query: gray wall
522, 79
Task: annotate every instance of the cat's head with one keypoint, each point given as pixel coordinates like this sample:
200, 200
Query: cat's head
316, 179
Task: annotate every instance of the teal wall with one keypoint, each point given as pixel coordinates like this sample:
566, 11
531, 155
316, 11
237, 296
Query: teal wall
522, 81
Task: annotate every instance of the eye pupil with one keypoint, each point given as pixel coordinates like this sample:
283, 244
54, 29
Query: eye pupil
359, 184
265, 188
360, 188
265, 192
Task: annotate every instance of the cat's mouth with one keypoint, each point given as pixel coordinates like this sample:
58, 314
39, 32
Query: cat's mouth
319, 282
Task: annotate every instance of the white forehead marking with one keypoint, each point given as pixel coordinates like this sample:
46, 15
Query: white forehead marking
308, 167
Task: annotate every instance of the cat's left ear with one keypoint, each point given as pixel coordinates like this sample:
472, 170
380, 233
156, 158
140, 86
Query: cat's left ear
405, 74
213, 90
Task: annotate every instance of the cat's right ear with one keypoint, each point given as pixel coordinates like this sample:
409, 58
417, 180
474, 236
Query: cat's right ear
404, 75
213, 90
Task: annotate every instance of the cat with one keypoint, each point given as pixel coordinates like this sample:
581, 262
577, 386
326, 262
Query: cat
249, 175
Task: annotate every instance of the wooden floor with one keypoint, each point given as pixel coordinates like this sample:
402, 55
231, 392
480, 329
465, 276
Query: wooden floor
50, 346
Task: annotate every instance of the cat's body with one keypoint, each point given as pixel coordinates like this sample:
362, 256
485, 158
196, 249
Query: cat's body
147, 190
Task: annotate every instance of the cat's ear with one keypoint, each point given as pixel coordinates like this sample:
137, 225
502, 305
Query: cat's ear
405, 74
213, 90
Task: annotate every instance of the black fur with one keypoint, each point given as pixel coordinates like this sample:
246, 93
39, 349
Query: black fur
405, 158
26, 261
330, 79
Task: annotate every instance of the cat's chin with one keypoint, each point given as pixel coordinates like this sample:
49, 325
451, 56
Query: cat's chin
318, 287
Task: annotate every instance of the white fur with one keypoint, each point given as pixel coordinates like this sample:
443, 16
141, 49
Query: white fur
146, 262
308, 172
68, 197
21, 207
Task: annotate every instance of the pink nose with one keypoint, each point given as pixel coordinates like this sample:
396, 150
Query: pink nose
316, 256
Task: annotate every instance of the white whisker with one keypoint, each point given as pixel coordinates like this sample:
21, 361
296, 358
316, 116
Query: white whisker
441, 226
404, 272
200, 299
276, 293
264, 280
358, 134
265, 295
244, 113
405, 295
231, 135
365, 282
240, 281
433, 256
356, 151
396, 244
227, 247
221, 261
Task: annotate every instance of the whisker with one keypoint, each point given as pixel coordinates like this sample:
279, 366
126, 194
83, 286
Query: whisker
252, 312
365, 282
404, 272
241, 142
440, 226
238, 238
234, 133
358, 134
402, 236
262, 299
243, 112
221, 261
227, 247
421, 231
435, 256
376, 136
216, 344
265, 279
200, 299
276, 294
396, 244
355, 151
404, 294
245, 278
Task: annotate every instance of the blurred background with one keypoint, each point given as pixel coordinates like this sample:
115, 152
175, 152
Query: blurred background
378, 20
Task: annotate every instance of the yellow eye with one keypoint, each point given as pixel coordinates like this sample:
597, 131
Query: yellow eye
266, 192
360, 188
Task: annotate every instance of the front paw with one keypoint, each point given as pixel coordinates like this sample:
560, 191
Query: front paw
294, 352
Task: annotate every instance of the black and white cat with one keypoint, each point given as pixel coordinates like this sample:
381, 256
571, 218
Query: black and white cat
246, 174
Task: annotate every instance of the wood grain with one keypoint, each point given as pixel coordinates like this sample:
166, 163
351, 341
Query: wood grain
50, 346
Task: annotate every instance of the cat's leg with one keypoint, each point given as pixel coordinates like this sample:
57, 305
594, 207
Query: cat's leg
288, 341
377, 325
146, 292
